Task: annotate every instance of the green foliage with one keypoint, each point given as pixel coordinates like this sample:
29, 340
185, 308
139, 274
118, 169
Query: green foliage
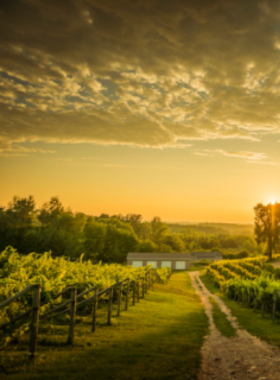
108, 238
235, 255
55, 274
147, 246
247, 277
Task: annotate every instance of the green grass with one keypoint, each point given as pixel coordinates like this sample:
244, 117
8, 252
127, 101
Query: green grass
195, 268
263, 328
221, 321
159, 338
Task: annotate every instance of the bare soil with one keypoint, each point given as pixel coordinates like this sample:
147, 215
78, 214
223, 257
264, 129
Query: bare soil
242, 357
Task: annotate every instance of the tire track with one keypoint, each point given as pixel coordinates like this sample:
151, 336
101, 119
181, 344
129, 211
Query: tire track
242, 357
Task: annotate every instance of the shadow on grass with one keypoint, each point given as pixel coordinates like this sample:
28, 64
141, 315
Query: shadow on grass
170, 353
159, 339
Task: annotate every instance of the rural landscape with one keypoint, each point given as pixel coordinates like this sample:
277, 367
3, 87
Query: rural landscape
59, 310
140, 190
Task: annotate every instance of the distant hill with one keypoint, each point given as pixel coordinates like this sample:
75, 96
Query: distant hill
212, 228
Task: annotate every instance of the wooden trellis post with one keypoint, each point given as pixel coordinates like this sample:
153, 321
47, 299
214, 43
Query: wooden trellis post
94, 311
138, 291
143, 287
127, 294
119, 300
72, 316
34, 321
110, 301
134, 292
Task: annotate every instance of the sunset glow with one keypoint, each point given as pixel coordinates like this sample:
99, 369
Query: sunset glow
177, 116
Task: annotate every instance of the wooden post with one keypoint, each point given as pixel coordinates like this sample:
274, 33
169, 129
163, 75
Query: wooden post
255, 302
72, 316
274, 306
119, 300
127, 294
134, 291
146, 283
248, 300
94, 311
138, 291
34, 321
143, 288
110, 301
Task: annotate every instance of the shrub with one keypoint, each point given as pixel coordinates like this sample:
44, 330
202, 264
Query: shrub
236, 255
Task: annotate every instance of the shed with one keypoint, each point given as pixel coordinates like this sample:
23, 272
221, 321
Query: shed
175, 260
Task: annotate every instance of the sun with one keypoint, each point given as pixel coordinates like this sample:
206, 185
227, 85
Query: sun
273, 201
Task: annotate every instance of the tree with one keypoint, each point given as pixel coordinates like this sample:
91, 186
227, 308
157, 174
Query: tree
175, 242
267, 226
159, 230
51, 211
94, 234
248, 245
147, 246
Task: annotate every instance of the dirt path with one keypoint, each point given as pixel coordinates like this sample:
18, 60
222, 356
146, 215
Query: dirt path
242, 357
276, 264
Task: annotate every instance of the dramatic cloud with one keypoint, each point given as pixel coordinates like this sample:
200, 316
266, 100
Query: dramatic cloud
148, 73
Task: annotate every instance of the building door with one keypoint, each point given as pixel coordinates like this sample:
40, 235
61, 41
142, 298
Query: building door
152, 262
166, 264
180, 265
137, 264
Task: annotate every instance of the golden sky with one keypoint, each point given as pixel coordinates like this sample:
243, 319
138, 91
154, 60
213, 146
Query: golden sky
156, 107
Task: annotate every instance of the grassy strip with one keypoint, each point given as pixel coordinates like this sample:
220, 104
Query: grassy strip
195, 268
159, 338
262, 328
221, 321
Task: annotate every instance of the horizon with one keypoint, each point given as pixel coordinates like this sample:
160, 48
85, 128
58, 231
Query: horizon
177, 116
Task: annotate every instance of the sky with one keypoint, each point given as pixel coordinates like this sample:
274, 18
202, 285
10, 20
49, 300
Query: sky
154, 107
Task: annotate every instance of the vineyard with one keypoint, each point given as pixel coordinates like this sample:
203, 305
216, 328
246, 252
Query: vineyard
253, 282
55, 276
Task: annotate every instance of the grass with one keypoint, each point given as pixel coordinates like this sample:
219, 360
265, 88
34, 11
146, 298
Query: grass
262, 328
195, 268
221, 321
159, 338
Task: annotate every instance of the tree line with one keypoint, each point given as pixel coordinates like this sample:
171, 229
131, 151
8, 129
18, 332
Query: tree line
108, 238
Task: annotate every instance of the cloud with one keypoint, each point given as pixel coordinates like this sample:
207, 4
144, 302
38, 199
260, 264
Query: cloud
8, 149
149, 74
250, 157
247, 155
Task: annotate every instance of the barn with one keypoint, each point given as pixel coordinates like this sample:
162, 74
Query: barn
175, 261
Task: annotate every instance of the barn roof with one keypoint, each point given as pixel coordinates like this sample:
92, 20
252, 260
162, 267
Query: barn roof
159, 256
173, 256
